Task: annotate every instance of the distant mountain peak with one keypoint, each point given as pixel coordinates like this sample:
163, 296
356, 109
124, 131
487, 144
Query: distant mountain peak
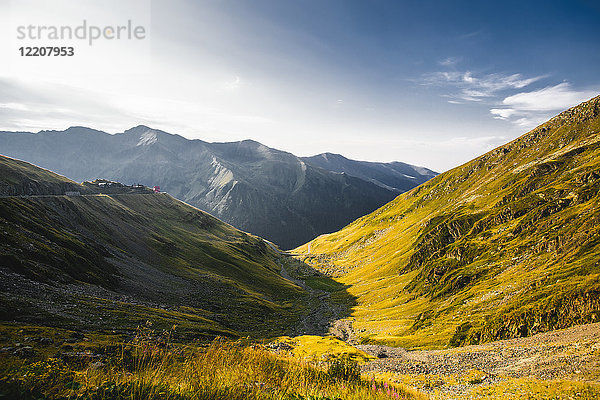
253, 144
395, 176
259, 189
75, 130
147, 138
138, 128
327, 156
251, 141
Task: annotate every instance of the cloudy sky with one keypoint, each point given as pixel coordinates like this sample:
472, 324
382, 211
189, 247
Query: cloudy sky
432, 83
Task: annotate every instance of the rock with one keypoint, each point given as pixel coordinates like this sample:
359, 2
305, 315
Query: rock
45, 341
279, 346
24, 352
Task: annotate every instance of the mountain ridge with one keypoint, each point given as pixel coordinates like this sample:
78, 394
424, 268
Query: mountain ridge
391, 175
109, 259
503, 246
268, 192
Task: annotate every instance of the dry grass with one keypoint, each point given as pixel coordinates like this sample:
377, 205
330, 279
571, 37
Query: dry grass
530, 388
151, 367
319, 349
474, 385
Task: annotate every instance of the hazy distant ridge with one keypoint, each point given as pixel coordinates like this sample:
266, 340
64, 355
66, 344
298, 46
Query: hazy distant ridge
265, 191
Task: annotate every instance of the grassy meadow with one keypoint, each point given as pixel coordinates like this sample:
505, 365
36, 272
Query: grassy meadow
150, 365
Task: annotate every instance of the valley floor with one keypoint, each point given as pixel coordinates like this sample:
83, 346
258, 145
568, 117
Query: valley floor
504, 367
561, 364
323, 312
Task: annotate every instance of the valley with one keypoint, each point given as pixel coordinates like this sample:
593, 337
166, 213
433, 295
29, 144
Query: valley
559, 358
482, 282
109, 262
558, 364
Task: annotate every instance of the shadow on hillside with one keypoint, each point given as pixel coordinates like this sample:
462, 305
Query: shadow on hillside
328, 301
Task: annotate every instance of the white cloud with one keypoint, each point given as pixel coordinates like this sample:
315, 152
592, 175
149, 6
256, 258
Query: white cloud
502, 113
468, 77
14, 106
233, 84
532, 121
476, 88
449, 62
529, 109
523, 109
550, 98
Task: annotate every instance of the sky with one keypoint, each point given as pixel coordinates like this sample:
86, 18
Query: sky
431, 83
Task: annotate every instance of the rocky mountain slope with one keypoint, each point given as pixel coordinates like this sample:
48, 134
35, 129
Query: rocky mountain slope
504, 246
394, 175
261, 190
109, 262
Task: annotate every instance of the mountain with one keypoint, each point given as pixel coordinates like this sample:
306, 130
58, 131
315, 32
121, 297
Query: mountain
394, 175
268, 192
109, 262
20, 178
504, 246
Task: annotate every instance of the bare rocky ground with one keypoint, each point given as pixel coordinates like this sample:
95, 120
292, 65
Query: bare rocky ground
572, 354
322, 313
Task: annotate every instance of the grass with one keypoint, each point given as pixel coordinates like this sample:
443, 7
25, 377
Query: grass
503, 246
323, 283
22, 178
149, 256
529, 388
154, 365
151, 366
475, 384
317, 349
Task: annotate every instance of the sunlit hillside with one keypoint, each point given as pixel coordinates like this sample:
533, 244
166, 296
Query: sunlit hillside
504, 246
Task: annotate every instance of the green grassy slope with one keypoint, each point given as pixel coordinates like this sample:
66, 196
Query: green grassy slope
111, 262
21, 178
504, 246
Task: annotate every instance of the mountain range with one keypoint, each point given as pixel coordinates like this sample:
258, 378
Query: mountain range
504, 246
274, 194
396, 176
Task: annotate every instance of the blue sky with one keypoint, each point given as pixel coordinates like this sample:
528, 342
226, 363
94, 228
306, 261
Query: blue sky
433, 83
